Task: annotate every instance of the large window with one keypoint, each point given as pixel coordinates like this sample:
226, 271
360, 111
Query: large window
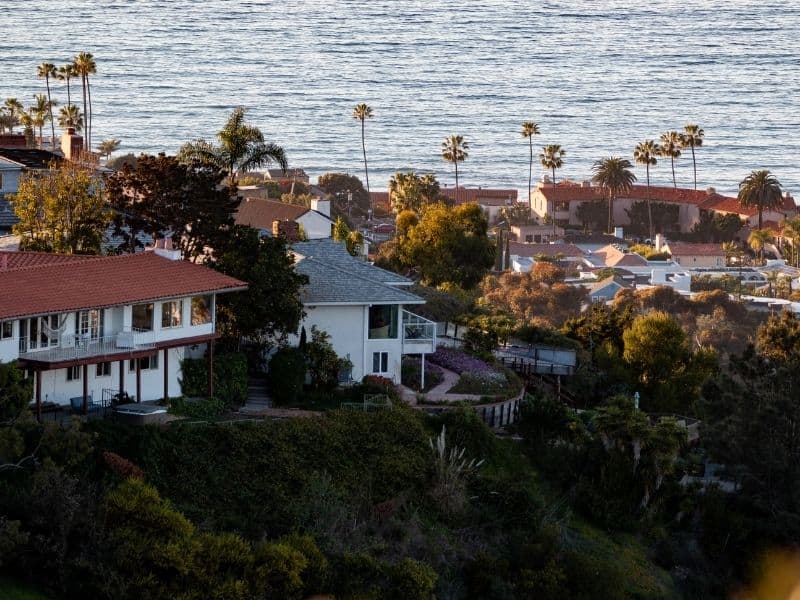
74, 373
6, 330
89, 324
143, 317
146, 363
380, 362
171, 314
202, 310
39, 332
103, 369
383, 321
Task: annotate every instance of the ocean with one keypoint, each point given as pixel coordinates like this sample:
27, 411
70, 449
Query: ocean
597, 77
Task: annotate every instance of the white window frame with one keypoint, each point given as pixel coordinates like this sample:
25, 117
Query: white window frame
152, 363
75, 373
6, 330
382, 359
168, 311
101, 368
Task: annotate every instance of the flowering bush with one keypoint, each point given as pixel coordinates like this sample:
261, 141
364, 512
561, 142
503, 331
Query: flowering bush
460, 362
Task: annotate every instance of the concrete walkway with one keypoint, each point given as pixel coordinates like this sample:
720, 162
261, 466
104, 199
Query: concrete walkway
439, 393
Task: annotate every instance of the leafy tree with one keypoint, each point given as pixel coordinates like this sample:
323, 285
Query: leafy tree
671, 148
449, 245
287, 369
409, 191
61, 210
714, 227
161, 196
270, 308
762, 190
454, 150
324, 365
593, 214
530, 129
664, 215
342, 185
362, 112
613, 174
692, 137
645, 154
118, 162
241, 147
352, 239
517, 214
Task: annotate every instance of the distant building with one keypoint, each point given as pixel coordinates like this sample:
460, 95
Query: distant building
691, 255
261, 214
522, 257
279, 175
535, 234
605, 289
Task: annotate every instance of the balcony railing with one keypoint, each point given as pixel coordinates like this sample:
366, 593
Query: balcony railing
418, 331
72, 346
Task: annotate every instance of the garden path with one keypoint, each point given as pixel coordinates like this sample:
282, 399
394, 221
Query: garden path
439, 393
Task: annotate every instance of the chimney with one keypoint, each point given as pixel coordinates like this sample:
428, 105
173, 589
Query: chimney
321, 206
618, 233
163, 247
71, 144
286, 229
659, 242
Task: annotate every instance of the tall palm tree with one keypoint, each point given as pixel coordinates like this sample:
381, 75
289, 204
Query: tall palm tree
454, 150
65, 73
671, 147
614, 174
791, 230
692, 137
761, 189
40, 112
15, 109
362, 112
28, 121
7, 121
70, 116
530, 129
85, 66
552, 158
241, 147
45, 71
645, 154
758, 239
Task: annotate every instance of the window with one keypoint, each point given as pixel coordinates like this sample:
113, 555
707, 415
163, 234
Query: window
383, 321
147, 363
171, 314
103, 369
142, 317
6, 330
529, 239
74, 373
380, 362
89, 324
201, 310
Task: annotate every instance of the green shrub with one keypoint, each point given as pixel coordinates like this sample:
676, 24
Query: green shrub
230, 377
201, 408
412, 580
287, 371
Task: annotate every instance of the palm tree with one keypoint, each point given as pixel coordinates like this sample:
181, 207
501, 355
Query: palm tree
692, 137
552, 157
645, 154
28, 122
65, 73
70, 116
7, 121
791, 230
85, 66
615, 175
530, 129
454, 150
241, 147
758, 239
362, 112
47, 70
107, 147
761, 189
40, 112
15, 109
671, 147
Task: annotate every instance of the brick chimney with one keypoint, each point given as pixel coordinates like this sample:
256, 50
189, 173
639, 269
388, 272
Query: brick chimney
71, 144
286, 229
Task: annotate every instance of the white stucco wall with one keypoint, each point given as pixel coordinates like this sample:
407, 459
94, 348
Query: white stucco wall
9, 173
315, 225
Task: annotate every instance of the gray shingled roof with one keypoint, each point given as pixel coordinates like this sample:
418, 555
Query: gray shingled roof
334, 253
335, 277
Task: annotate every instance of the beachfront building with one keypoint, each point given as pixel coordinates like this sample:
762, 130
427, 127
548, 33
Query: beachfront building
92, 327
364, 309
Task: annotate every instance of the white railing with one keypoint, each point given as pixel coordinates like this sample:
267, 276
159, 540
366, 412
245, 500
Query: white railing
418, 329
74, 346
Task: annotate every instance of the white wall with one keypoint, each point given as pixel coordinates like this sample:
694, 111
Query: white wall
10, 176
315, 225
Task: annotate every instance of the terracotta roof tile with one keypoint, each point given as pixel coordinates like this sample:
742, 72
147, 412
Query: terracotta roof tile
531, 250
479, 194
64, 285
692, 249
19, 260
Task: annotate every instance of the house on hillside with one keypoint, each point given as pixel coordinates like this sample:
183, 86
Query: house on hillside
536, 233
605, 289
522, 257
691, 255
363, 308
91, 327
261, 214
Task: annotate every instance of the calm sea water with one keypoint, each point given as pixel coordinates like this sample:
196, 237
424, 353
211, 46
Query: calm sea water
597, 76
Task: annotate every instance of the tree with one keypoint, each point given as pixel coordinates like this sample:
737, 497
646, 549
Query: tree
530, 129
454, 150
70, 116
715, 227
241, 148
593, 214
45, 71
692, 137
409, 191
15, 110
362, 112
671, 148
613, 174
353, 240
758, 239
762, 190
517, 214
270, 308
645, 154
663, 215
160, 196
344, 189
552, 158
65, 73
61, 210
41, 112
85, 66
109, 146
449, 245
791, 230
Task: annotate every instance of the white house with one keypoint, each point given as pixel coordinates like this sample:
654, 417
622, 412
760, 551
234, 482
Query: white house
89, 327
13, 163
363, 308
261, 214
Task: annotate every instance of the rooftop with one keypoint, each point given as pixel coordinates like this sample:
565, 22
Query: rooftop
30, 158
693, 249
260, 213
551, 250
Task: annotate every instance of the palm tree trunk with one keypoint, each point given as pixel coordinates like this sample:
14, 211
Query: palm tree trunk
760, 216
554, 203
694, 166
89, 94
69, 97
50, 111
364, 149
455, 162
530, 169
649, 209
610, 212
674, 181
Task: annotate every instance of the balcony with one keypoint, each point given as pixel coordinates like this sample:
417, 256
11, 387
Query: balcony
419, 334
76, 347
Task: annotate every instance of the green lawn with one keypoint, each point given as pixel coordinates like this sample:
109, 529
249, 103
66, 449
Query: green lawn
11, 589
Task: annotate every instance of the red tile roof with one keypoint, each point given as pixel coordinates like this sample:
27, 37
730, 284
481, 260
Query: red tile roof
19, 260
63, 285
479, 195
553, 250
692, 249
260, 213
